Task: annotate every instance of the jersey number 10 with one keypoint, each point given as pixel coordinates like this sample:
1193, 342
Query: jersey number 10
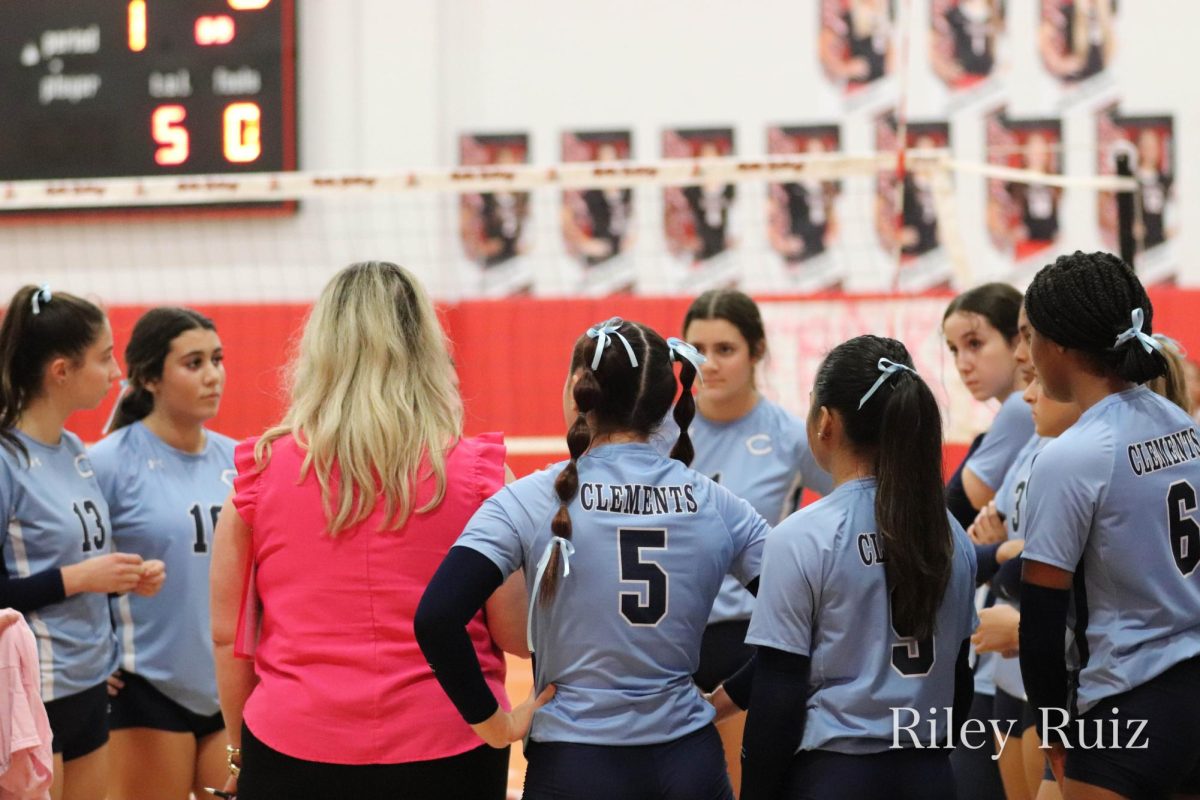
197, 511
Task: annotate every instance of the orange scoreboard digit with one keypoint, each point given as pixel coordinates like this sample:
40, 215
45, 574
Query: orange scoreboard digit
108, 88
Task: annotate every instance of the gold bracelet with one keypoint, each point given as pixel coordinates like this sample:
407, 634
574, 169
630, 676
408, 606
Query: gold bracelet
230, 752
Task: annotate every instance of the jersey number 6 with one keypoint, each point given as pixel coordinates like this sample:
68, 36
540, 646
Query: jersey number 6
632, 541
1185, 533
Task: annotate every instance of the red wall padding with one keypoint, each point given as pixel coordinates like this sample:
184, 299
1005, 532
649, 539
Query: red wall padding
512, 357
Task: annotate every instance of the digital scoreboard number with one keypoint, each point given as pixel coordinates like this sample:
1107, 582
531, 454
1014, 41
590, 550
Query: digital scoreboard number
107, 88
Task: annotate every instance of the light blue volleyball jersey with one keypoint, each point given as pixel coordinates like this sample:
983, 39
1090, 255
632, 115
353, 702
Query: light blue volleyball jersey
55, 516
1009, 432
823, 594
1114, 500
621, 638
1010, 501
763, 458
164, 504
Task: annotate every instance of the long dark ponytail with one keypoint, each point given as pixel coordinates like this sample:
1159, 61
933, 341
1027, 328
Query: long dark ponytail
145, 355
616, 396
901, 425
61, 325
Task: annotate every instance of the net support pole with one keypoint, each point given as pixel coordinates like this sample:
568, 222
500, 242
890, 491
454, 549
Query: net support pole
1125, 213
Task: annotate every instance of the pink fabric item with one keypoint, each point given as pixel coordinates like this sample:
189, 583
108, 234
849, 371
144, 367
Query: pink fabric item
341, 678
26, 762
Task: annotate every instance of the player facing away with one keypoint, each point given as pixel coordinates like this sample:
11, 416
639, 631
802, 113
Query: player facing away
865, 609
56, 358
1112, 544
624, 550
165, 478
749, 445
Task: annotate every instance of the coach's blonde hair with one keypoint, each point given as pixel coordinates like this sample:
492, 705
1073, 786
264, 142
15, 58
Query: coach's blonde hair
372, 395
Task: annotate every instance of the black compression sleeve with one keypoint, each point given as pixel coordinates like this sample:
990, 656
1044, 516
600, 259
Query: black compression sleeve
1043, 656
459, 588
29, 594
956, 494
775, 724
1007, 582
964, 682
739, 685
985, 559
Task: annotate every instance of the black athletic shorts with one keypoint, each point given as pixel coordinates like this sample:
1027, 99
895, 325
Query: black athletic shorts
1007, 708
904, 774
79, 722
140, 705
1161, 758
691, 767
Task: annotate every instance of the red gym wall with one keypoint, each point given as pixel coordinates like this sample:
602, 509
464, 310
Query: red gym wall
511, 354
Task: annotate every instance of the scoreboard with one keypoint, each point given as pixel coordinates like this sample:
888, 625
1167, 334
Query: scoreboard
107, 88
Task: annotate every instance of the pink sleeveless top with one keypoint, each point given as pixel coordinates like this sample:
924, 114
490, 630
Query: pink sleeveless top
340, 677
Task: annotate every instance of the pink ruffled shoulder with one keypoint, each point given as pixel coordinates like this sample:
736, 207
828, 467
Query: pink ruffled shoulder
488, 453
246, 482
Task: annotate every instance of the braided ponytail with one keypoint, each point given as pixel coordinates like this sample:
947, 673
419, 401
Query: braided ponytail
587, 395
685, 412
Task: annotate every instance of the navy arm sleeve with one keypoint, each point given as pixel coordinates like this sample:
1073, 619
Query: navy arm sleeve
738, 685
956, 496
964, 682
1007, 581
1043, 656
775, 724
459, 588
29, 594
985, 562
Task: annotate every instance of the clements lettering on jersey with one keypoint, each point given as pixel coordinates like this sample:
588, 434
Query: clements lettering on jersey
637, 498
1164, 451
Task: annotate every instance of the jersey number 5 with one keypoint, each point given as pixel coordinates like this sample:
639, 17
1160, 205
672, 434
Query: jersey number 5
911, 657
1185, 533
631, 542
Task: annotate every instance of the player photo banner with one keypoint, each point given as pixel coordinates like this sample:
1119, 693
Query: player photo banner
1149, 142
495, 226
696, 218
857, 42
802, 220
1077, 40
1023, 218
965, 42
598, 224
906, 219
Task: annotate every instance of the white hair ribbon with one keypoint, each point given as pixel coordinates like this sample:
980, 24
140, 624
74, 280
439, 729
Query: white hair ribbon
602, 333
1135, 332
566, 549
888, 368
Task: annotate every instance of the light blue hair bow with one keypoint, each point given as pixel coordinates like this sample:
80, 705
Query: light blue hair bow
888, 368
566, 550
40, 298
1135, 332
682, 350
603, 333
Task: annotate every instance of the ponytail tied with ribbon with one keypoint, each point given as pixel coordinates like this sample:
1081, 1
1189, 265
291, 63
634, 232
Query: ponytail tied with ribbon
1148, 343
41, 297
566, 550
888, 368
603, 334
681, 350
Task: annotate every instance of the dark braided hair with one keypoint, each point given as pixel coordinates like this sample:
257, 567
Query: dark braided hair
146, 354
901, 426
1084, 301
617, 397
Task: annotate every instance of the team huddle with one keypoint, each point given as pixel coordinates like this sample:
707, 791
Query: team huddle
324, 611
